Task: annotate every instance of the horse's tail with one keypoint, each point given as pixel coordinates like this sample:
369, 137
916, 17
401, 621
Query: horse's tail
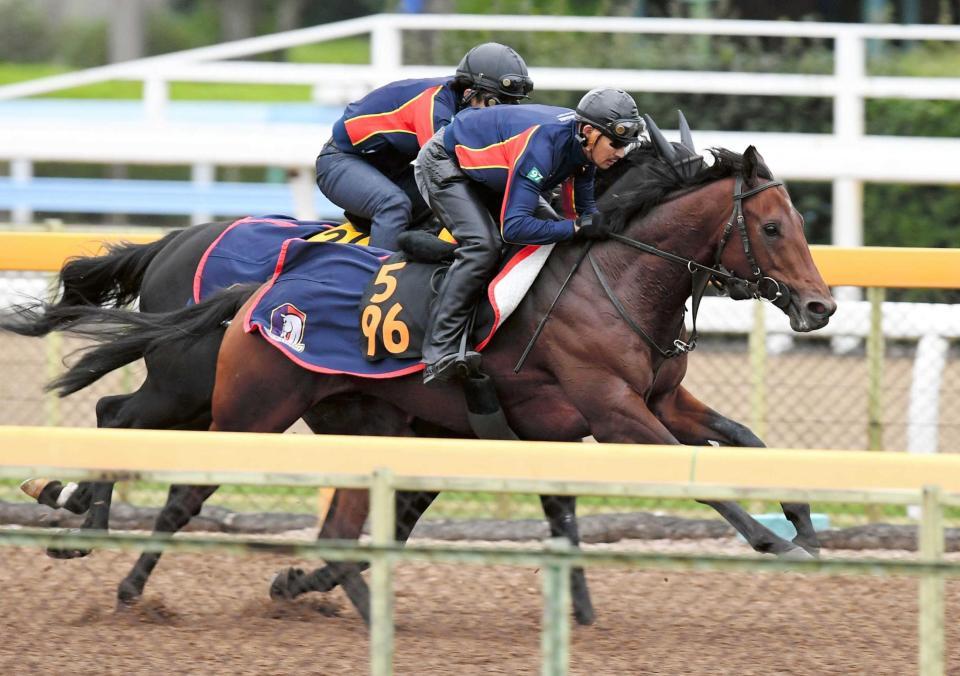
125, 336
111, 280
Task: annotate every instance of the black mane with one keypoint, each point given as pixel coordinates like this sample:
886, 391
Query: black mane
642, 180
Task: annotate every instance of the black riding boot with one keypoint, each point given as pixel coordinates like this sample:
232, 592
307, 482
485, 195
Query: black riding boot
476, 259
452, 308
460, 206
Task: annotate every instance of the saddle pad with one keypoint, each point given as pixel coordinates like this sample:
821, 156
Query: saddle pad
396, 303
311, 308
247, 250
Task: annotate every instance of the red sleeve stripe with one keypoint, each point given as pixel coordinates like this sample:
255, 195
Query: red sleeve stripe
413, 117
525, 136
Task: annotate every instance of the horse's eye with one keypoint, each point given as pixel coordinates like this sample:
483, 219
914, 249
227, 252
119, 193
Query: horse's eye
771, 229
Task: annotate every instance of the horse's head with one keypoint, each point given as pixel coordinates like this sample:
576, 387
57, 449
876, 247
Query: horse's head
775, 254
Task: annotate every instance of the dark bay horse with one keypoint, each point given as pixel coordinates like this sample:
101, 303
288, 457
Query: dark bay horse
591, 372
177, 392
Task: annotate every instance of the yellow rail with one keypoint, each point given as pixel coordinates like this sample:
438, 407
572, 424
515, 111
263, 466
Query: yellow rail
856, 266
47, 251
878, 266
158, 451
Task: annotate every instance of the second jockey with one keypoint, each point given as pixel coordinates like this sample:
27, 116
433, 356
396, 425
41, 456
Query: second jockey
485, 176
365, 166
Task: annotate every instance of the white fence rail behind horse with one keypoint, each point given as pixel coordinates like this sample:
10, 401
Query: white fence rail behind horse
854, 156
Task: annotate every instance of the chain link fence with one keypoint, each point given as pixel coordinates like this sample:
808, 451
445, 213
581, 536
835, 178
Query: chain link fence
799, 391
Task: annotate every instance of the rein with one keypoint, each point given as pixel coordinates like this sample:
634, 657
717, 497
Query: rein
761, 287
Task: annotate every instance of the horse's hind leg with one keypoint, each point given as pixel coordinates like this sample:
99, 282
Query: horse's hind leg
350, 507
561, 512
76, 497
183, 503
93, 496
353, 505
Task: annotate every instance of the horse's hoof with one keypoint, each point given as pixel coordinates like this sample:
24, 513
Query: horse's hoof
812, 550
281, 587
584, 618
34, 487
57, 553
127, 595
796, 554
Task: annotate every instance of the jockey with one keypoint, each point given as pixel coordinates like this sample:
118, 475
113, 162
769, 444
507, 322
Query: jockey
516, 155
365, 165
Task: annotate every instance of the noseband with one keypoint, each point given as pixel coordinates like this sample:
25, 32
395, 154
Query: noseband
760, 286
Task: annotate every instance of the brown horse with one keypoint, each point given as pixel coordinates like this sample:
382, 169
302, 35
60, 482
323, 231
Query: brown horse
593, 371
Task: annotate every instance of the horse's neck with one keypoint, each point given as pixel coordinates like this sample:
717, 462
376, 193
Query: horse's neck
654, 289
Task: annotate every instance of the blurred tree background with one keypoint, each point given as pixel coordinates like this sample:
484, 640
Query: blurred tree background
39, 37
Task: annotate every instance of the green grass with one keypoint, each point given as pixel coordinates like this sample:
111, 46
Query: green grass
474, 505
926, 59
179, 91
348, 50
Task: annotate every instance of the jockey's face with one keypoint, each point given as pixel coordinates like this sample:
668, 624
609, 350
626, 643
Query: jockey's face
601, 149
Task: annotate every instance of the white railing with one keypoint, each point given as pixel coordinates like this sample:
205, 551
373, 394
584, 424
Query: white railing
847, 157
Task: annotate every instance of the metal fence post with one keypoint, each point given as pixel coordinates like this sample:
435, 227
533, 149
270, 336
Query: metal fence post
875, 350
383, 518
875, 353
758, 371
555, 636
53, 352
931, 586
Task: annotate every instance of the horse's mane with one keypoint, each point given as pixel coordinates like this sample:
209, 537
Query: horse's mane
642, 180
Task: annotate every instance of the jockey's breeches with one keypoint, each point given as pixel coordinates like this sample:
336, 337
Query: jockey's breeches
358, 186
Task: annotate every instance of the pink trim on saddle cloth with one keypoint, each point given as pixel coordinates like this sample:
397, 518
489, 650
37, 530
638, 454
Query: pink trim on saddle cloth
248, 327
198, 275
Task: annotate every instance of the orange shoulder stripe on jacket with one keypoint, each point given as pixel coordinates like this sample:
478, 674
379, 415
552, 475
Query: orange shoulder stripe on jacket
502, 155
413, 117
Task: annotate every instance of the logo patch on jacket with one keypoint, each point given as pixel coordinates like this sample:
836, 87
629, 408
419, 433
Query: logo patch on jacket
535, 175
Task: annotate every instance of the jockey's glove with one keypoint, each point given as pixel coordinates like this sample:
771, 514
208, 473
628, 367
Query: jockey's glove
592, 226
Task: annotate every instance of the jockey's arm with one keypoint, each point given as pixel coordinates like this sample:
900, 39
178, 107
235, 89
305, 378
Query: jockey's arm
519, 223
583, 197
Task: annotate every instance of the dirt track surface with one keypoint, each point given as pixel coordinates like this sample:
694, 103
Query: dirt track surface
210, 614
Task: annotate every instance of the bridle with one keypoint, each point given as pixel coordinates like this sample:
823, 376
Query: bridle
758, 286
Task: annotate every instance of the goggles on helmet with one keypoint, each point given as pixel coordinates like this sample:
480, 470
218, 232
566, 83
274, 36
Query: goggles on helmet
515, 85
625, 130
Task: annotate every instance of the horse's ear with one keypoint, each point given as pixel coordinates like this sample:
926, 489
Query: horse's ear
751, 165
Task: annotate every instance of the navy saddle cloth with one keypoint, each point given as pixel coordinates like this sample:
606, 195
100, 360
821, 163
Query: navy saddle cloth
336, 307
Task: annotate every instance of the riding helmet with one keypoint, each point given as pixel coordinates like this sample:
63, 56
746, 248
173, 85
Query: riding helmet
497, 69
613, 112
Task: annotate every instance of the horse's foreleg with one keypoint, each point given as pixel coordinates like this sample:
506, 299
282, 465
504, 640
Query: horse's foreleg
561, 512
695, 423
622, 416
183, 503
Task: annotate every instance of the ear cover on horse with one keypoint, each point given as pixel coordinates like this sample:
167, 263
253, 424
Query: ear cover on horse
683, 156
423, 247
660, 142
751, 165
